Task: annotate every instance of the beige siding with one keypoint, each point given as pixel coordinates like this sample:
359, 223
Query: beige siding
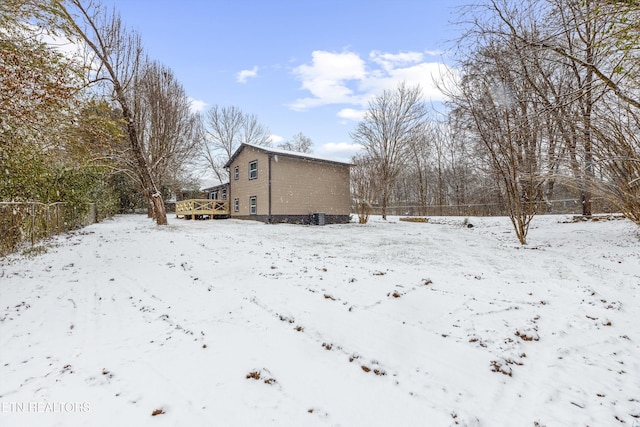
243, 188
301, 187
298, 186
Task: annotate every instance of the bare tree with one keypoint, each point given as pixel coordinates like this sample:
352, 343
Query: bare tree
439, 162
169, 132
561, 64
389, 125
363, 185
599, 47
583, 32
225, 129
253, 132
300, 143
116, 60
619, 158
495, 95
595, 41
454, 168
417, 165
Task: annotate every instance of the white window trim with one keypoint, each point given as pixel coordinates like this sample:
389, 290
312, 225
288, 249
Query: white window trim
236, 205
255, 170
253, 205
236, 173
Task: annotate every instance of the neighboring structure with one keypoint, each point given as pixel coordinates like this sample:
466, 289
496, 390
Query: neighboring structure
272, 185
217, 192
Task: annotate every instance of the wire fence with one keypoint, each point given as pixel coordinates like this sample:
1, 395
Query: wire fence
564, 206
27, 223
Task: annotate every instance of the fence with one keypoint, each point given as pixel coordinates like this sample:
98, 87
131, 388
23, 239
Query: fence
29, 222
565, 206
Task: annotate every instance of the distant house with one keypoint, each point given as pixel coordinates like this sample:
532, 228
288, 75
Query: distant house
273, 186
217, 192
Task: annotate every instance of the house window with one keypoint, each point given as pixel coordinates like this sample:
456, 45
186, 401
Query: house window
253, 169
236, 205
253, 205
224, 194
236, 173
214, 195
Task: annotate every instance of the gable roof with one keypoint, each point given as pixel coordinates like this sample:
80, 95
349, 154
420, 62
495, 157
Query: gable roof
281, 152
215, 187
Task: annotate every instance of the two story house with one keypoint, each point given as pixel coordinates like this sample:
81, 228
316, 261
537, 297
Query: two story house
273, 185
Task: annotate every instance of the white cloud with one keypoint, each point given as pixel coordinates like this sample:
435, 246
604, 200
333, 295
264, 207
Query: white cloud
346, 78
245, 75
390, 61
351, 114
275, 138
343, 151
434, 52
197, 105
327, 77
425, 74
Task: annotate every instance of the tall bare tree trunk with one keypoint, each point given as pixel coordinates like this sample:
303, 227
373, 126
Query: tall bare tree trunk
119, 53
150, 189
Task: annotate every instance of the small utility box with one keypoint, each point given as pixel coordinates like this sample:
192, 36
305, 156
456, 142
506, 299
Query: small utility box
319, 218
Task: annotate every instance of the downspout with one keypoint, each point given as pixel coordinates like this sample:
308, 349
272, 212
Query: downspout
269, 218
229, 198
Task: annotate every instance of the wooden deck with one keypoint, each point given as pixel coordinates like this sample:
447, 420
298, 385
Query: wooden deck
202, 209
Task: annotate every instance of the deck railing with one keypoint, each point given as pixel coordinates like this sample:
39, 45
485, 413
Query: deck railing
202, 209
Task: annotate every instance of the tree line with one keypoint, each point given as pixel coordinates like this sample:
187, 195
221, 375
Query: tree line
105, 124
545, 103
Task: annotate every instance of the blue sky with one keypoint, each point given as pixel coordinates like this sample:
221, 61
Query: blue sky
305, 66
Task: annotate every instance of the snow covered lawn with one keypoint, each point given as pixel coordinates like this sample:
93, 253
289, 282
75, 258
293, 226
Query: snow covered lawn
238, 323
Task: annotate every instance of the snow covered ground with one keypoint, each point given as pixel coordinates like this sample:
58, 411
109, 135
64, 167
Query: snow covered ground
238, 323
